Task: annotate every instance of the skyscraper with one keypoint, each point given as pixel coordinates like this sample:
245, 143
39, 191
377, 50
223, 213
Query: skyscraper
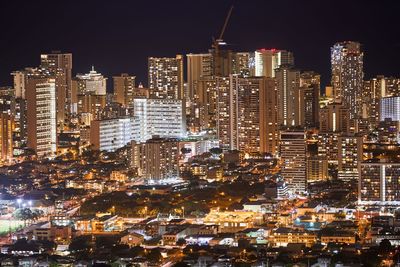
166, 77
350, 153
198, 66
89, 93
267, 61
111, 134
246, 113
390, 108
204, 104
308, 96
242, 64
162, 117
41, 114
124, 86
334, 117
60, 65
270, 111
288, 83
378, 182
6, 136
347, 75
293, 157
373, 90
157, 158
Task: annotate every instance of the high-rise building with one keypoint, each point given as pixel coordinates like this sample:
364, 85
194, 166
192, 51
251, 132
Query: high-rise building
6, 136
270, 111
20, 132
373, 91
111, 134
41, 114
390, 108
267, 61
328, 147
388, 132
317, 169
350, 153
198, 66
308, 96
60, 65
89, 93
124, 87
156, 159
293, 157
19, 79
242, 62
288, 83
334, 117
162, 117
378, 182
246, 114
91, 83
222, 65
204, 103
251, 109
347, 75
166, 77
7, 123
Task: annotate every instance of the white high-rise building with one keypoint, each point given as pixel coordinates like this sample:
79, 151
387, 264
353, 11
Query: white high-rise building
41, 114
267, 61
158, 117
111, 134
293, 156
91, 83
390, 108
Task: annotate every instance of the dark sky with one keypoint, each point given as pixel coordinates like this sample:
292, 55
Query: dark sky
117, 36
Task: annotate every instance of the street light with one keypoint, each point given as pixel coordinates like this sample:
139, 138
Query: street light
183, 212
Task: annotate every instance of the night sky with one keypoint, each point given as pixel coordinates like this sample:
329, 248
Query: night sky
118, 36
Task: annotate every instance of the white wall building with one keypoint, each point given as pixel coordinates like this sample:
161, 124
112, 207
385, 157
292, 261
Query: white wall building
390, 108
162, 117
111, 134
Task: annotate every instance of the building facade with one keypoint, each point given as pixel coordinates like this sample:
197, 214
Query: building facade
155, 159
293, 157
111, 134
162, 117
166, 77
124, 86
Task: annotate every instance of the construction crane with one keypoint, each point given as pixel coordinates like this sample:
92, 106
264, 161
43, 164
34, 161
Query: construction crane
219, 40
217, 56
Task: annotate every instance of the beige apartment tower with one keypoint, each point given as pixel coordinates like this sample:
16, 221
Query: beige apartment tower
166, 77
124, 86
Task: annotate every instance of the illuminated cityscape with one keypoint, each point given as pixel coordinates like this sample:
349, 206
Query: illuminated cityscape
127, 138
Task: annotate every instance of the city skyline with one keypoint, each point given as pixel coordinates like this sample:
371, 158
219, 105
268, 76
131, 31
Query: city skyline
213, 133
109, 34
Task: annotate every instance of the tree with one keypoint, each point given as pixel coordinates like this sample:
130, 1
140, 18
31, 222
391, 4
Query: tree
80, 243
26, 214
180, 264
185, 150
216, 151
181, 242
154, 255
385, 246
